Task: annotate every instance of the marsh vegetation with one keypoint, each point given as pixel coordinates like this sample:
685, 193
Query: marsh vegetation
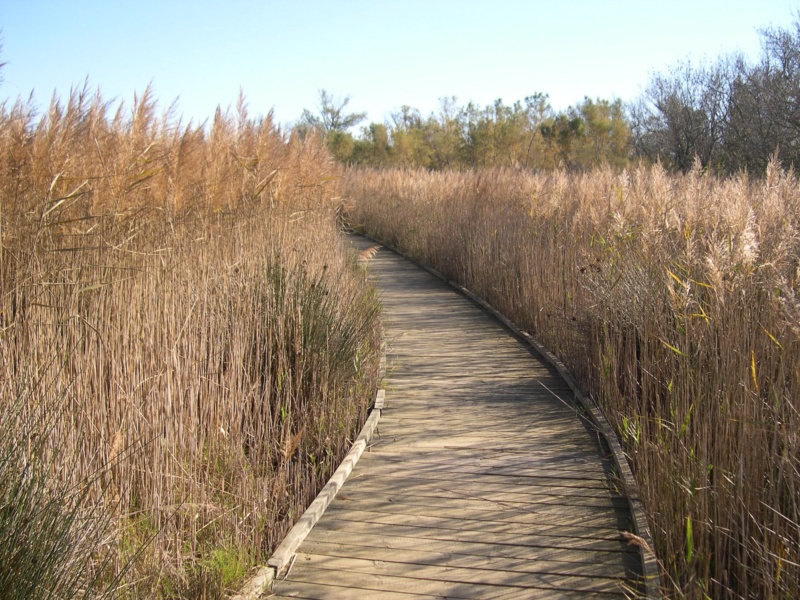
186, 345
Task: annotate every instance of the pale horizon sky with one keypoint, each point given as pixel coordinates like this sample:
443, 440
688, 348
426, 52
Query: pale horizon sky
383, 54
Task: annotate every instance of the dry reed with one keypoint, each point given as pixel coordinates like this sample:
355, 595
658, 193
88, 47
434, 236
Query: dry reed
674, 299
179, 300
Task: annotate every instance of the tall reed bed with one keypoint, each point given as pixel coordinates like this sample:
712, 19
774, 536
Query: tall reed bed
186, 344
674, 299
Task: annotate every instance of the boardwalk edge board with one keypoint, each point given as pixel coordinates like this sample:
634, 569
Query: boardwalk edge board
282, 559
596, 416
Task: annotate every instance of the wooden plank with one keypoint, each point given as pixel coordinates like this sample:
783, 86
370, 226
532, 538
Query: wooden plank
380, 583
491, 396
485, 487
502, 419
489, 413
297, 590
580, 479
520, 462
460, 522
558, 508
458, 575
512, 475
467, 441
420, 422
534, 392
469, 561
490, 399
496, 416
477, 491
614, 561
617, 521
325, 591
509, 475
465, 438
529, 539
531, 455
454, 442
486, 458
458, 373
514, 594
517, 408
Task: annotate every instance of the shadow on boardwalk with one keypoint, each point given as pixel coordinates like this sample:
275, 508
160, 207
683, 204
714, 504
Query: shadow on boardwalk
483, 480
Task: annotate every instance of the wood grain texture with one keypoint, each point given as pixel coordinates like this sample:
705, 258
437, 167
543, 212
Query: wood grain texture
484, 478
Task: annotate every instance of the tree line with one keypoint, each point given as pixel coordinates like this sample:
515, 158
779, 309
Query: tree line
527, 133
726, 116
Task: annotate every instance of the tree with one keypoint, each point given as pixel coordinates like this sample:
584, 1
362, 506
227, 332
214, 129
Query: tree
764, 105
560, 133
682, 115
331, 114
497, 135
341, 144
606, 134
408, 139
373, 147
334, 122
443, 133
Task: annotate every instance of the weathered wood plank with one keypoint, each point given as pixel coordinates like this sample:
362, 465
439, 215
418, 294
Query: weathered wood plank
487, 458
369, 582
528, 539
614, 561
443, 471
501, 419
312, 591
532, 453
539, 515
460, 522
538, 490
608, 569
457, 575
559, 508
454, 442
473, 460
487, 490
327, 591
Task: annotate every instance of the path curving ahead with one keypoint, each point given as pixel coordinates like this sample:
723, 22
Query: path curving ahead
482, 480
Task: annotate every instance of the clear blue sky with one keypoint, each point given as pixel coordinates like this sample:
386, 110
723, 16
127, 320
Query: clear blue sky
383, 53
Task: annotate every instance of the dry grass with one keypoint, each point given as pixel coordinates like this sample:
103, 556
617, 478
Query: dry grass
178, 303
674, 300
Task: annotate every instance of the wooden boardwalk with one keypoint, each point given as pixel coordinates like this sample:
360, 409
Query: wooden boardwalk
482, 482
